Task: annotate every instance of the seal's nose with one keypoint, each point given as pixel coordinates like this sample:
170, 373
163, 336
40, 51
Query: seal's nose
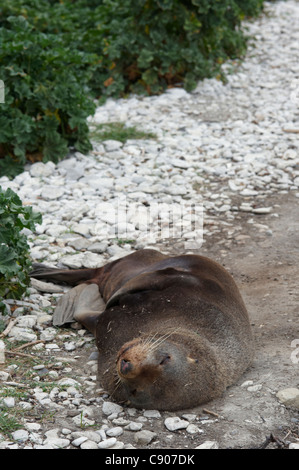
125, 366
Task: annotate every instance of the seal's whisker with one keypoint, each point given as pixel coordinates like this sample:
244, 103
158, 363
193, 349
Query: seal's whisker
149, 339
117, 384
153, 346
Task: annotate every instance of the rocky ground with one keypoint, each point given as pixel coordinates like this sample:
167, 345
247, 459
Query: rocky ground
227, 152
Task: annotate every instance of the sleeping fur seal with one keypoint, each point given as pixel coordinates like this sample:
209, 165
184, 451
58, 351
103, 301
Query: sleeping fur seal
172, 332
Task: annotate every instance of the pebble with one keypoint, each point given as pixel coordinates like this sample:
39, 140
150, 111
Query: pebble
293, 445
109, 408
144, 437
107, 443
289, 397
114, 432
152, 414
175, 423
20, 435
89, 445
54, 441
208, 445
213, 145
134, 426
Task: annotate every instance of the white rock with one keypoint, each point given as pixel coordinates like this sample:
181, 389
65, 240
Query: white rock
21, 435
54, 441
262, 210
77, 442
112, 145
114, 432
107, 443
2, 358
175, 423
68, 382
193, 429
40, 169
144, 437
4, 375
22, 334
152, 414
9, 402
133, 426
89, 445
208, 445
289, 397
52, 192
294, 445
28, 321
109, 408
33, 427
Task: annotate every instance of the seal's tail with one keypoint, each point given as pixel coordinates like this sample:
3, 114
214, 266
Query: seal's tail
70, 276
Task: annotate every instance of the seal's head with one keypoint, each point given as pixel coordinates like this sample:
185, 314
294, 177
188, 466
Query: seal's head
165, 372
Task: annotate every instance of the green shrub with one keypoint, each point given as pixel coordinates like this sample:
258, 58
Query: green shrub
149, 45
57, 55
15, 262
46, 96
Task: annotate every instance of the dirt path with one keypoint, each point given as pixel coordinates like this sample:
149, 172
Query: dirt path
265, 267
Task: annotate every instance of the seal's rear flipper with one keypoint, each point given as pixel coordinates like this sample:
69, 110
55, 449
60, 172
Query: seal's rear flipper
70, 276
83, 304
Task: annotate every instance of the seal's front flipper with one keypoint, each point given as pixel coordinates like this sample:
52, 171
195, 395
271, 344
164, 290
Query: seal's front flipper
83, 304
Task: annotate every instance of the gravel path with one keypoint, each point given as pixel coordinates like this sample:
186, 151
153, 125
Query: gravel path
225, 156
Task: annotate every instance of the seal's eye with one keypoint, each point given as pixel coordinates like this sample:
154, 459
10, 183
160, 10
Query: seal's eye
165, 360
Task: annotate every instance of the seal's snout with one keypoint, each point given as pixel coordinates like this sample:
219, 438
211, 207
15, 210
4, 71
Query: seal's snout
125, 366
130, 359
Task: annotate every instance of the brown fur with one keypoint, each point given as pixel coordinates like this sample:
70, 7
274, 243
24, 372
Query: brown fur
174, 332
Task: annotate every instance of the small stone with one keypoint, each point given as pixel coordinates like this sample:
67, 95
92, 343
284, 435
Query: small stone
294, 445
189, 416
144, 437
52, 192
289, 397
114, 432
21, 435
68, 382
110, 408
255, 388
33, 427
22, 334
48, 334
193, 429
3, 375
112, 145
262, 210
175, 423
54, 441
133, 426
208, 445
9, 402
25, 405
77, 442
152, 414
69, 346
107, 443
2, 354
46, 286
89, 445
247, 383
41, 169
118, 445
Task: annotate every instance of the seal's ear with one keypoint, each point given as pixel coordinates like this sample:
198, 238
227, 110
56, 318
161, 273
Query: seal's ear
154, 280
